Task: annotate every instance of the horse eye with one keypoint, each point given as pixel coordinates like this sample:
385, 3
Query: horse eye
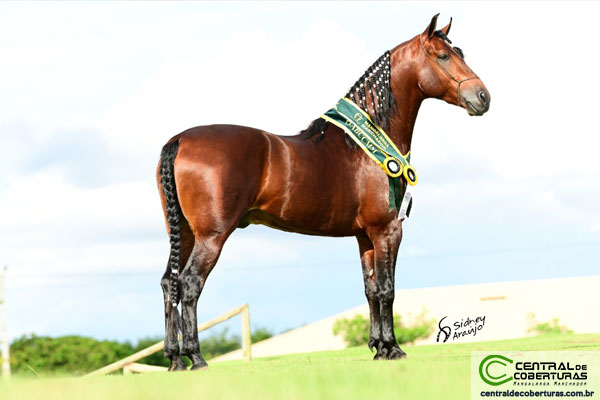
444, 56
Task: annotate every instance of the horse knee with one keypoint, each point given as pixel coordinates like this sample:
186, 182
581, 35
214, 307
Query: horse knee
385, 294
370, 291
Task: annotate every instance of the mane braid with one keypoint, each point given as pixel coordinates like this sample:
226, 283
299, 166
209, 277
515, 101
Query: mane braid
374, 87
376, 80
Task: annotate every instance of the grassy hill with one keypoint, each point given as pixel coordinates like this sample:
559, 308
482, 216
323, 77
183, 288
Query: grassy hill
429, 372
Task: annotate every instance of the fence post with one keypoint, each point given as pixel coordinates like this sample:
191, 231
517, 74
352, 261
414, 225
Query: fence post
246, 337
4, 335
127, 370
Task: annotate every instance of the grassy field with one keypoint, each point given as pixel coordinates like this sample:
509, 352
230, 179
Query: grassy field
429, 372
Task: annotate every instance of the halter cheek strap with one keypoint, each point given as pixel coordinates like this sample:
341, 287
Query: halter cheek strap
445, 70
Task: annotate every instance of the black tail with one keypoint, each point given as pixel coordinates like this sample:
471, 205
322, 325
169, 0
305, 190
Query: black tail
174, 214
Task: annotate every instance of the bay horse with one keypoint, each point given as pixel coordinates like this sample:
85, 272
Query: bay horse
214, 179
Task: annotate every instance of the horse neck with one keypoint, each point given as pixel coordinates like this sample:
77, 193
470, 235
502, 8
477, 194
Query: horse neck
408, 96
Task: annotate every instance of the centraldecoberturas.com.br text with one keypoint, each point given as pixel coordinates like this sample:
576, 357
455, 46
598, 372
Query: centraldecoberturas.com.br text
537, 393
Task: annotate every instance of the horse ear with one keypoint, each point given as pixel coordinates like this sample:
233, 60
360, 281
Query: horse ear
446, 29
431, 28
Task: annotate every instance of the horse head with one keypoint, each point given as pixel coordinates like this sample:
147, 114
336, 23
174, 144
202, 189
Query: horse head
443, 73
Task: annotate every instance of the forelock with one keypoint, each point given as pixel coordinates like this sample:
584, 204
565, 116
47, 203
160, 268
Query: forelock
445, 38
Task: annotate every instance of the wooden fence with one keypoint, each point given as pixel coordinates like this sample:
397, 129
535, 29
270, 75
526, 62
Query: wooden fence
129, 365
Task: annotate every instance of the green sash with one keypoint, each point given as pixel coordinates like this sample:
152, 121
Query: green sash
376, 143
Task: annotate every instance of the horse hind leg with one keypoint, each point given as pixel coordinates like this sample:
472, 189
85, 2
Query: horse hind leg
172, 318
204, 256
171, 349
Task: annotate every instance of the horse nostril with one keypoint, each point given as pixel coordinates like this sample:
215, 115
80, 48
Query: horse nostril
483, 97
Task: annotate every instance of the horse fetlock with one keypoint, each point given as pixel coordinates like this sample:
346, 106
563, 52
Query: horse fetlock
171, 350
178, 364
190, 350
396, 353
198, 362
389, 351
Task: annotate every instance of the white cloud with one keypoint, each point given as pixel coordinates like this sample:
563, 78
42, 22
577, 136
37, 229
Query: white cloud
254, 79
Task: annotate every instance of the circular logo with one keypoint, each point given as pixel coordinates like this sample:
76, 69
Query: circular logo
392, 167
411, 175
498, 376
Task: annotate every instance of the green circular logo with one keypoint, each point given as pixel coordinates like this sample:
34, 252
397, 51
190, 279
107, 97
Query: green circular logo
491, 377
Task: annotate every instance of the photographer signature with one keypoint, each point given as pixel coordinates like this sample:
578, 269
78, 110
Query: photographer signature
464, 327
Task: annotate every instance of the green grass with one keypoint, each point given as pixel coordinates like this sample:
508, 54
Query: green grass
429, 372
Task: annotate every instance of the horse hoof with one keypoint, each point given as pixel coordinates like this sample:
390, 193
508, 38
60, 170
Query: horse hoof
389, 351
396, 353
199, 367
178, 365
382, 353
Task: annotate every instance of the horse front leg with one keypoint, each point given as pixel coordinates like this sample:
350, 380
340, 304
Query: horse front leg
367, 259
386, 243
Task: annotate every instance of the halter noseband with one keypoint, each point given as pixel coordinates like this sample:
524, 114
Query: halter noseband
445, 70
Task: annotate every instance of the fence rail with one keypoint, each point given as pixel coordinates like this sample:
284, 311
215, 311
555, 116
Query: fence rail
129, 365
141, 368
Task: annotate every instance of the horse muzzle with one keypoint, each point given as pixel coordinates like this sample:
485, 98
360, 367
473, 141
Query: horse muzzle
476, 99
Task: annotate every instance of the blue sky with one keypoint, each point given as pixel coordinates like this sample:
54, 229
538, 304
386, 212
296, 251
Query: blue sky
91, 91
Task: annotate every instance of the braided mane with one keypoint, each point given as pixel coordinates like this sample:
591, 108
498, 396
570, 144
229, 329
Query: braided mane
374, 85
371, 92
